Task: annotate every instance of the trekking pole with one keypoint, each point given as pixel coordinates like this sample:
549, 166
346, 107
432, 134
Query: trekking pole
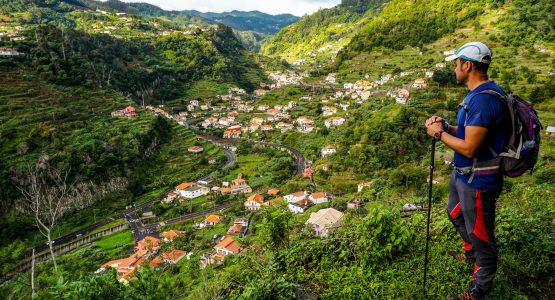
432, 166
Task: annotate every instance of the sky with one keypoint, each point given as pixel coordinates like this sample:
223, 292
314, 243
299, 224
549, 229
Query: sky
295, 7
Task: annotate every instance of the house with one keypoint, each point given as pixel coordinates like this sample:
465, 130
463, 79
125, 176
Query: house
195, 149
225, 121
420, 83
272, 191
169, 198
402, 96
254, 202
260, 92
308, 172
294, 197
267, 127
225, 247
173, 256
354, 203
130, 111
272, 112
299, 206
213, 220
168, 236
193, 192
319, 197
284, 126
328, 150
263, 107
335, 121
149, 244
240, 226
305, 124
440, 65
232, 132
363, 185
180, 189
238, 185
9, 52
328, 110
324, 220
429, 74
253, 127
257, 120
331, 78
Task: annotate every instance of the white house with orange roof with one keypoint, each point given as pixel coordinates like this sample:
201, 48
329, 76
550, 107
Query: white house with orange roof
335, 121
294, 197
300, 206
168, 236
267, 127
420, 83
284, 126
232, 132
254, 202
328, 150
328, 110
180, 189
319, 197
211, 220
195, 149
257, 120
227, 246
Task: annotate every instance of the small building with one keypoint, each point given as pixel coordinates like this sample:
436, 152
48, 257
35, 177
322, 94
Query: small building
335, 121
273, 191
254, 202
168, 236
211, 220
550, 130
300, 206
226, 246
325, 220
193, 192
354, 203
420, 83
319, 197
195, 149
294, 197
363, 185
328, 150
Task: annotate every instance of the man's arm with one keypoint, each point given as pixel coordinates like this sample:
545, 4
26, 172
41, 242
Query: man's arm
469, 147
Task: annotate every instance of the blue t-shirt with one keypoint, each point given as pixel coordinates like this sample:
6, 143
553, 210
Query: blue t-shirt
486, 111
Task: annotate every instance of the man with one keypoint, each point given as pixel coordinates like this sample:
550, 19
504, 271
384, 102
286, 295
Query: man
481, 130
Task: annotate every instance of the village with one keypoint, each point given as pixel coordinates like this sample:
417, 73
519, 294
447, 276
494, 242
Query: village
236, 115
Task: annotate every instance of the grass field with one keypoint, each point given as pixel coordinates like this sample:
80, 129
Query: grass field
117, 242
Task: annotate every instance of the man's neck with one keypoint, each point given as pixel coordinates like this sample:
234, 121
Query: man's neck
475, 81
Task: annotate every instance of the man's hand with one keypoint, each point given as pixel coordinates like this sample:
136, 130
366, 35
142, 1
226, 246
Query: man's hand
433, 128
434, 119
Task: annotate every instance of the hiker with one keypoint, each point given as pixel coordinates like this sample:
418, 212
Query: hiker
482, 131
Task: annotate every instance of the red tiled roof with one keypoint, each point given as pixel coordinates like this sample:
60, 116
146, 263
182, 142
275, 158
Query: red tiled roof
229, 244
156, 261
318, 195
174, 256
171, 234
256, 198
214, 219
273, 191
184, 185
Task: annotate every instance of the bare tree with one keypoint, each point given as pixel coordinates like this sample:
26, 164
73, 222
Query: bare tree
47, 196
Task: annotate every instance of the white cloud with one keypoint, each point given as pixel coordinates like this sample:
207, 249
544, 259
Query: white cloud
296, 7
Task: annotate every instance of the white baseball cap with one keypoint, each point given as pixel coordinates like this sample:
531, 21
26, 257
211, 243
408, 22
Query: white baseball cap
473, 51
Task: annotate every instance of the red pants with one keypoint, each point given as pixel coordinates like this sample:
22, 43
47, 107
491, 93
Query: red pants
472, 211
